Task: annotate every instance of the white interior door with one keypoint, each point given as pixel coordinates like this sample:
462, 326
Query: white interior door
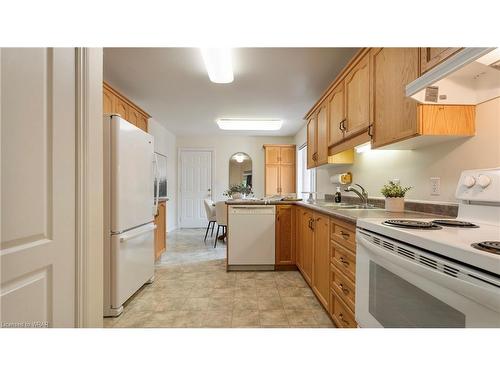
195, 186
37, 251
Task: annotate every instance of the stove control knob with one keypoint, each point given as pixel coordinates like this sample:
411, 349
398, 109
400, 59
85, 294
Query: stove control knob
469, 181
483, 180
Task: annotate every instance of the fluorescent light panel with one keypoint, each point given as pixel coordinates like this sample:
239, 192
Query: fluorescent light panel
218, 64
249, 124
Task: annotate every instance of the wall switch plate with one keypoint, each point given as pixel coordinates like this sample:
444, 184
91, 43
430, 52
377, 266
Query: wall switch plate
435, 185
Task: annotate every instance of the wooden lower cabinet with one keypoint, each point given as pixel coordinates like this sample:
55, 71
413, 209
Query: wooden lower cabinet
305, 244
321, 258
160, 237
285, 235
342, 316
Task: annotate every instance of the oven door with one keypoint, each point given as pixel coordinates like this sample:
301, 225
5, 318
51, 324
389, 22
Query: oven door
399, 286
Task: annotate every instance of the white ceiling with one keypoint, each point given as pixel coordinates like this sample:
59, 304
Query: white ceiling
172, 85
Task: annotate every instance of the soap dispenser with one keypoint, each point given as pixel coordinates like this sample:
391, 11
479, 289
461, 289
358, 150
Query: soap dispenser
338, 196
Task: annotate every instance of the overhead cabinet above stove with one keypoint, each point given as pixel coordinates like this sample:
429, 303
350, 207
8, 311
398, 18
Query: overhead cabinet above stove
367, 102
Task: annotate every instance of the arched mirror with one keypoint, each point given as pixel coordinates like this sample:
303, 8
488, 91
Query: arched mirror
240, 170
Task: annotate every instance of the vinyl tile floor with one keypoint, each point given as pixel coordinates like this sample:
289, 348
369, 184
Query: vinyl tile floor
193, 290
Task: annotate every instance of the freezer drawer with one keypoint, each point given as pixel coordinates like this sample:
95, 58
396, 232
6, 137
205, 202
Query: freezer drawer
132, 262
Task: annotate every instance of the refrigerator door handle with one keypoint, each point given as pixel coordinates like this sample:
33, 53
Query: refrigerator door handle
126, 237
157, 182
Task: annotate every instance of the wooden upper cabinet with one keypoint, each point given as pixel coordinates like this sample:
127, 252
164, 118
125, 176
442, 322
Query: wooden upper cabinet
311, 142
287, 155
336, 114
272, 154
142, 123
430, 57
322, 136
114, 102
285, 235
272, 179
279, 169
121, 108
456, 120
357, 97
108, 101
321, 258
394, 116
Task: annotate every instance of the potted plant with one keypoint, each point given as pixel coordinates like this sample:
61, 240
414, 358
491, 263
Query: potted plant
238, 191
394, 195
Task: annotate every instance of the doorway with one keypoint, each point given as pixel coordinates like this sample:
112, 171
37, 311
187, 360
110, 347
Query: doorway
195, 185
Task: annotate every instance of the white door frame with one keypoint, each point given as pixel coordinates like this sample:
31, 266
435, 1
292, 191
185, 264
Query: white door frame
89, 188
179, 175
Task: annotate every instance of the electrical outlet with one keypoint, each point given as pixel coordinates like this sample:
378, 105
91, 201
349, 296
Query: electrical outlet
435, 185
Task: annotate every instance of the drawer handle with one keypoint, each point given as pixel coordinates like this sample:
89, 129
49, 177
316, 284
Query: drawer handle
343, 288
344, 262
344, 234
341, 317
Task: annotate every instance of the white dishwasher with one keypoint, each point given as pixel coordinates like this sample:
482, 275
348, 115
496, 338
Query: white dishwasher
250, 237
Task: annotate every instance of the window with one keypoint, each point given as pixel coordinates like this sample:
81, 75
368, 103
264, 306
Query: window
306, 178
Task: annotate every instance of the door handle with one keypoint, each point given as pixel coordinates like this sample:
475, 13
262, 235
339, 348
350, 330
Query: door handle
127, 237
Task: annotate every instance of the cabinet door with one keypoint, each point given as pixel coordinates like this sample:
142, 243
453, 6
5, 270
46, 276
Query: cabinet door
321, 258
287, 155
394, 116
108, 100
299, 248
160, 231
133, 116
121, 108
357, 96
430, 57
287, 178
307, 255
322, 135
336, 114
272, 154
142, 123
285, 235
272, 179
311, 143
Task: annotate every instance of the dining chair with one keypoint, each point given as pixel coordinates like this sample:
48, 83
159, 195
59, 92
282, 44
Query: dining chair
221, 217
210, 211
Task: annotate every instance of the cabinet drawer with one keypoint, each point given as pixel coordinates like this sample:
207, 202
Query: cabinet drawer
342, 286
343, 259
343, 235
341, 315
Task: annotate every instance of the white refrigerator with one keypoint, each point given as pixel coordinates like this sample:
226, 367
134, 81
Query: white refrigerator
129, 207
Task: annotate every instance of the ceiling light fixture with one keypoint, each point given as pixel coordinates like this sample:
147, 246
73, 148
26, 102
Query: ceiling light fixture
249, 124
218, 64
239, 158
363, 147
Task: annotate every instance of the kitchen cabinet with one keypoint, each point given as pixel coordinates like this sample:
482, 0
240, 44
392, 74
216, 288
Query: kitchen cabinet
279, 169
312, 143
357, 98
321, 258
306, 242
114, 102
430, 57
285, 235
394, 116
160, 235
322, 136
336, 114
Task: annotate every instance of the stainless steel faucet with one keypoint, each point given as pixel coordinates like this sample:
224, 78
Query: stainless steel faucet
362, 194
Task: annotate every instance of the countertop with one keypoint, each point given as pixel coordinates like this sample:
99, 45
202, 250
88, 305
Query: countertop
350, 215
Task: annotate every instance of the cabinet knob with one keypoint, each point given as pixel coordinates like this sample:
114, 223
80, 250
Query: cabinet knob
344, 262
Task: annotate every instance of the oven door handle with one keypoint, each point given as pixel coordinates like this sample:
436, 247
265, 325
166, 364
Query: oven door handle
478, 291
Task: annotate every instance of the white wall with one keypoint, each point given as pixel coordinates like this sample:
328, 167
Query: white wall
445, 160
225, 147
166, 144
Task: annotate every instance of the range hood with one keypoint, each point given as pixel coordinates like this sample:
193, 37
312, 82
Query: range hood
471, 76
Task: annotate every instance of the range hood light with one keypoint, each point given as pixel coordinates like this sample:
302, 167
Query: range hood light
218, 64
249, 124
